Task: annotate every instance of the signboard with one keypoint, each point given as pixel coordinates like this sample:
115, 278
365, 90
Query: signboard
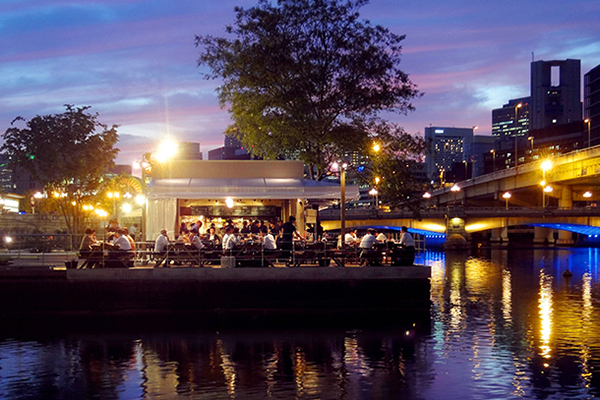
237, 211
311, 216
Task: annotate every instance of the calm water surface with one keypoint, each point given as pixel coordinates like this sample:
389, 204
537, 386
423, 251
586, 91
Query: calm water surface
504, 324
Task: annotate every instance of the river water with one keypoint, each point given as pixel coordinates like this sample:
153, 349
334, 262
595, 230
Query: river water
505, 324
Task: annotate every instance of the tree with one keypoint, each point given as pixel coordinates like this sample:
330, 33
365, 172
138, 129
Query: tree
68, 153
305, 79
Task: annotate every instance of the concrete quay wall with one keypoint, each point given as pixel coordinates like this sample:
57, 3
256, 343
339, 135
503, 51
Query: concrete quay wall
208, 290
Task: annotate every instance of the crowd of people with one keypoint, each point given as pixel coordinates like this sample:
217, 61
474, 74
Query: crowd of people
272, 236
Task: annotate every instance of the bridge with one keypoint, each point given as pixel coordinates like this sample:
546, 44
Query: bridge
555, 209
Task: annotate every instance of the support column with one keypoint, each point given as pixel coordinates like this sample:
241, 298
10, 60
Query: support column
565, 238
566, 198
543, 235
456, 234
500, 236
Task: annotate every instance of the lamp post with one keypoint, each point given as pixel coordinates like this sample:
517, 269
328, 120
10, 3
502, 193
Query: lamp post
546, 165
530, 138
373, 192
494, 158
114, 196
455, 189
517, 132
343, 200
506, 196
588, 121
36, 198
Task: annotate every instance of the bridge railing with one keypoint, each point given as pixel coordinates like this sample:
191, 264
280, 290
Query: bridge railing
458, 211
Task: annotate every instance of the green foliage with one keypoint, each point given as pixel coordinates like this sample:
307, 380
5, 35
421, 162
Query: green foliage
68, 153
304, 79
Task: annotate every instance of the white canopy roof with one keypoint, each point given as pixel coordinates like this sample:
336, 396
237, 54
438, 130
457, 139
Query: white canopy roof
254, 188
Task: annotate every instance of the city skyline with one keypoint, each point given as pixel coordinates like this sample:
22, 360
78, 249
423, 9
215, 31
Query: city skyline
134, 62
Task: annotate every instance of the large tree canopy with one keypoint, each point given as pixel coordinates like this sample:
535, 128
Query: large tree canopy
69, 154
306, 79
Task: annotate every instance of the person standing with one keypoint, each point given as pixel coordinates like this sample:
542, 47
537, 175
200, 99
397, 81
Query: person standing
407, 243
288, 234
160, 248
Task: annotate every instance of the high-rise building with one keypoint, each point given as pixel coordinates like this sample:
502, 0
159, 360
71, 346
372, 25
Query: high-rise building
189, 151
512, 119
555, 93
591, 94
444, 147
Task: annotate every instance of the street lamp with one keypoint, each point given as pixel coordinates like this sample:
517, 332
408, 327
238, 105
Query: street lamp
546, 165
494, 157
506, 196
588, 121
343, 200
373, 192
455, 189
36, 198
516, 132
530, 138
114, 196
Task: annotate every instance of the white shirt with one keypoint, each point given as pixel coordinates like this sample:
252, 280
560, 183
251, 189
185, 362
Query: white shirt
122, 242
407, 240
367, 241
229, 241
349, 239
161, 243
381, 237
269, 242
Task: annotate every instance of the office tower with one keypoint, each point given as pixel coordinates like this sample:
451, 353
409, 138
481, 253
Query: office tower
512, 119
591, 82
444, 147
555, 93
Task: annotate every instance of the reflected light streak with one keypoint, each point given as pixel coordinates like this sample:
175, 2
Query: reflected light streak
353, 357
307, 377
506, 296
228, 368
270, 369
545, 310
587, 309
455, 299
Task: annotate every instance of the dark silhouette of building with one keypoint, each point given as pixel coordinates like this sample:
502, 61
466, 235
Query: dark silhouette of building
591, 94
555, 93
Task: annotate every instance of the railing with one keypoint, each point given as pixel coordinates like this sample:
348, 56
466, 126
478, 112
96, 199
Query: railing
57, 252
461, 211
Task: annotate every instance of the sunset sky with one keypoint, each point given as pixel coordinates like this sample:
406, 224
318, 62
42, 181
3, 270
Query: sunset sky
134, 61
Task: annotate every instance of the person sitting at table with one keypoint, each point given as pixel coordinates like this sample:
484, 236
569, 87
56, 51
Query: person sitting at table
123, 249
160, 248
196, 241
213, 237
408, 245
381, 238
350, 238
366, 247
268, 242
128, 236
85, 248
229, 240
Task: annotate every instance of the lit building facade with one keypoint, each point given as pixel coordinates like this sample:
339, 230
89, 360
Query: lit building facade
445, 147
591, 82
511, 120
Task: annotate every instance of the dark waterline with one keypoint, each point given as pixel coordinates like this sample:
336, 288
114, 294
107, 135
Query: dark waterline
503, 324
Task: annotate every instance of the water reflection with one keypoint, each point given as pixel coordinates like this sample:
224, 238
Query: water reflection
504, 324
